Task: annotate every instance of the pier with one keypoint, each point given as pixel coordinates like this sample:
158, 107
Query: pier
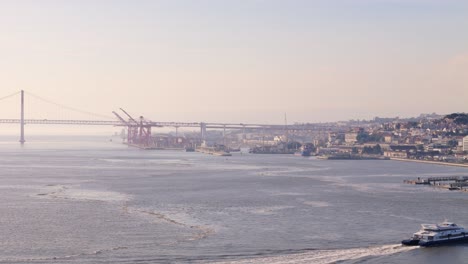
451, 183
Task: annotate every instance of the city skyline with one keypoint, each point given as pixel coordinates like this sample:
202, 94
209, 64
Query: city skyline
239, 61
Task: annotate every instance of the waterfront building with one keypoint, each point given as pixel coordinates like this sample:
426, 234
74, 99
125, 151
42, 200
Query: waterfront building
351, 137
388, 138
395, 154
465, 143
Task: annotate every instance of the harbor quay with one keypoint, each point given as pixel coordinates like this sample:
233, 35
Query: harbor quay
428, 138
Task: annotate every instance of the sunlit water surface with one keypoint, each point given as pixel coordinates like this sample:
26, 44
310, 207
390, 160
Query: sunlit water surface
94, 201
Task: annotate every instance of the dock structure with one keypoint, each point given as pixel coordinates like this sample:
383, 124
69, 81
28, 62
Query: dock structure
459, 184
450, 183
453, 178
418, 181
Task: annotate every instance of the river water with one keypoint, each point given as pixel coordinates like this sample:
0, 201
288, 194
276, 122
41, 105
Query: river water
94, 201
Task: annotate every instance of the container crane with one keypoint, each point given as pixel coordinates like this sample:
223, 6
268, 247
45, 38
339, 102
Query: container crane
139, 133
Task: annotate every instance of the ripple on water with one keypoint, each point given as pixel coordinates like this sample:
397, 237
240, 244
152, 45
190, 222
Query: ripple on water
265, 210
316, 203
199, 231
76, 193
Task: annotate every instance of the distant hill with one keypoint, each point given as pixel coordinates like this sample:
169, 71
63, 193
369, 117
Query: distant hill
458, 118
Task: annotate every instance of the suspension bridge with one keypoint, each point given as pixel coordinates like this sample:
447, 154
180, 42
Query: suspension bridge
138, 129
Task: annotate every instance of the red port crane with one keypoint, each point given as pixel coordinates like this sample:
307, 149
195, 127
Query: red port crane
139, 133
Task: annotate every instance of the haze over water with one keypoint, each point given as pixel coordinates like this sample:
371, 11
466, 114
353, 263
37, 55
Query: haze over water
88, 200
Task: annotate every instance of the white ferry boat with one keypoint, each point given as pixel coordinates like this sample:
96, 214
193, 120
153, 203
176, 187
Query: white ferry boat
437, 234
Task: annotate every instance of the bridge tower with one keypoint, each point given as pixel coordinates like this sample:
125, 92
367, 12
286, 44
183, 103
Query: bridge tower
22, 119
203, 131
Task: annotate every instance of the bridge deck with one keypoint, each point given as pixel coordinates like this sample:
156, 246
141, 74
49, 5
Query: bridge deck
61, 122
166, 124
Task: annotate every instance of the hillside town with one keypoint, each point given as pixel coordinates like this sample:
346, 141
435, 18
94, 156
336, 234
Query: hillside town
429, 137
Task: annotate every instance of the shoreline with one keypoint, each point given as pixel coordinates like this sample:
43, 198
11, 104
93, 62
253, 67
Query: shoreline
432, 162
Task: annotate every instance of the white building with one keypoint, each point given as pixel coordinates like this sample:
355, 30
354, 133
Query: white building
465, 143
351, 137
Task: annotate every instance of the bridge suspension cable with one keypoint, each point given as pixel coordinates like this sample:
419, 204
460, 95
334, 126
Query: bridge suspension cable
68, 107
11, 95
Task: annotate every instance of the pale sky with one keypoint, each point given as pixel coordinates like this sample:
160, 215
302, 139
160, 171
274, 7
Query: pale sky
239, 60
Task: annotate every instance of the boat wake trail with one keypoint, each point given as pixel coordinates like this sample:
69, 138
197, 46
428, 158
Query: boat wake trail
328, 256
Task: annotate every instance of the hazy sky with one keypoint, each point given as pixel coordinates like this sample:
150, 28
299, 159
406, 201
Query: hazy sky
239, 60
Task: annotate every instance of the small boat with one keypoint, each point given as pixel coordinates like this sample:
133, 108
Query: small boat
437, 234
222, 153
303, 153
189, 149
